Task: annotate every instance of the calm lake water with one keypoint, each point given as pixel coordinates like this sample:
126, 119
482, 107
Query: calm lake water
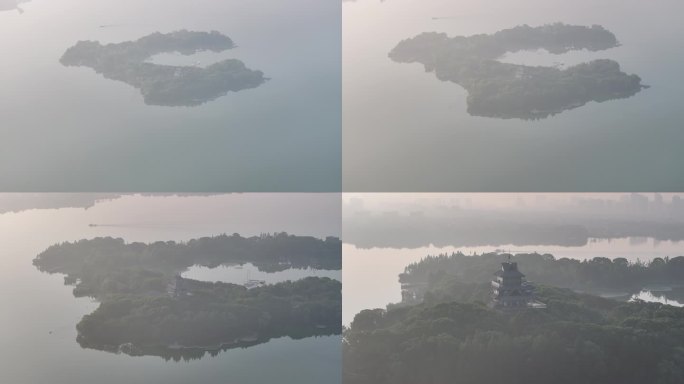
70, 129
405, 130
240, 274
375, 272
35, 304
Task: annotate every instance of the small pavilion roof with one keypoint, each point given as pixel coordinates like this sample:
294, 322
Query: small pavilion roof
509, 269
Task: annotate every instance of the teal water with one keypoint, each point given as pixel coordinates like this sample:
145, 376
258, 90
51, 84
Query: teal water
37, 326
70, 129
405, 130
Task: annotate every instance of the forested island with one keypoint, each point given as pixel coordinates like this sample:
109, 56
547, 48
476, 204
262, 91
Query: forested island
457, 276
578, 338
210, 317
447, 330
167, 85
147, 308
505, 90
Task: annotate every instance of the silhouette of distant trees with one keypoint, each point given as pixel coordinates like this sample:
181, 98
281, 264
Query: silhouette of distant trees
453, 273
107, 265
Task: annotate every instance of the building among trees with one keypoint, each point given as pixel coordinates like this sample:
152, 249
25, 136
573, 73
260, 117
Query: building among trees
510, 290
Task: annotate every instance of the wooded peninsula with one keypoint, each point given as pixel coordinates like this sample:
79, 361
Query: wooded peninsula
147, 308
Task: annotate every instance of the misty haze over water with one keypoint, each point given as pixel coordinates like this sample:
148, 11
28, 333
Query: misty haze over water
71, 129
405, 130
383, 233
41, 312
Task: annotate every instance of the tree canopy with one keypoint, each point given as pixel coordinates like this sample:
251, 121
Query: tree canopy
457, 275
167, 85
578, 338
146, 308
505, 90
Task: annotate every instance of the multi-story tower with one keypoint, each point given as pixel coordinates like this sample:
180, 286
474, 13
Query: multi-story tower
510, 290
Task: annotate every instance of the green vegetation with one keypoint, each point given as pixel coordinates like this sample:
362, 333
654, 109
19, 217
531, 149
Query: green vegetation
146, 309
445, 331
504, 90
213, 316
105, 266
456, 275
166, 84
579, 338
